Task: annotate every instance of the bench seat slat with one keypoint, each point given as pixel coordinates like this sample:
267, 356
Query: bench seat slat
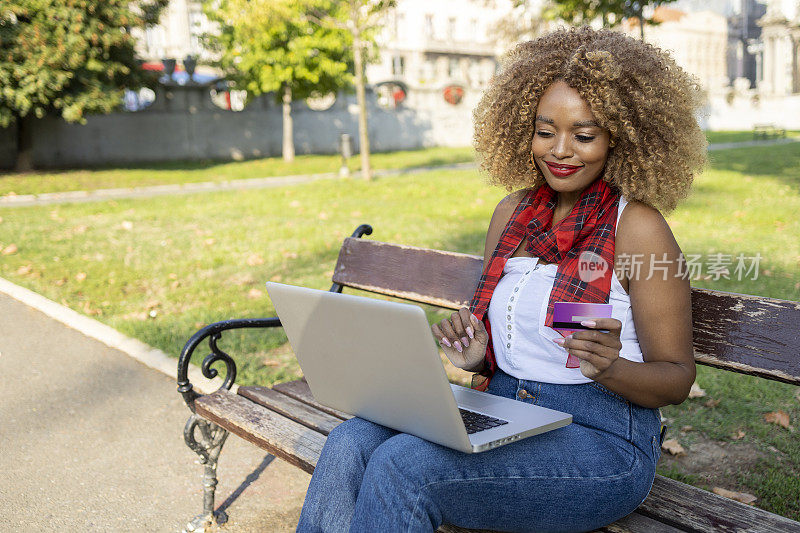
291, 408
299, 391
280, 436
698, 510
633, 523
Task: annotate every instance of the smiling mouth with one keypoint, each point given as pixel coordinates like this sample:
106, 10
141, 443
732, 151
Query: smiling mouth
561, 169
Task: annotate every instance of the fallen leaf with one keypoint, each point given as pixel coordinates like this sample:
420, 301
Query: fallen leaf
269, 362
10, 249
673, 447
290, 255
24, 269
687, 428
276, 278
254, 294
172, 275
323, 216
210, 241
294, 203
254, 260
80, 276
738, 496
738, 435
778, 417
152, 304
80, 229
61, 281
696, 391
1, 220
711, 402
174, 285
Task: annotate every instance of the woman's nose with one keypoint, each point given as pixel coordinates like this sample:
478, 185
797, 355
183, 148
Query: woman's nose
561, 148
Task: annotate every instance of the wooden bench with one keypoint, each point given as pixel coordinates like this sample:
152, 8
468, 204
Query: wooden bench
768, 131
736, 332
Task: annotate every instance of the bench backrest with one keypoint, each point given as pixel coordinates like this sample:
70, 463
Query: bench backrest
739, 332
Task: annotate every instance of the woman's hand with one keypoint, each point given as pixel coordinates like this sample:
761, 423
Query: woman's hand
463, 338
596, 350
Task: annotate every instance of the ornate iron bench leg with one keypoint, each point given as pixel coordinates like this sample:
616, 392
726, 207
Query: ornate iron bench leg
212, 437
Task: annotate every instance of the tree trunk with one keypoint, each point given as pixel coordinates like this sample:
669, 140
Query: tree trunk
641, 22
24, 161
363, 134
288, 126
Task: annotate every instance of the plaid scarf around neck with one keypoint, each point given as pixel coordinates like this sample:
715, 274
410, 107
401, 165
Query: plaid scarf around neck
588, 229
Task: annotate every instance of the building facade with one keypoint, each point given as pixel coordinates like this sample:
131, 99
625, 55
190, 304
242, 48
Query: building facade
780, 43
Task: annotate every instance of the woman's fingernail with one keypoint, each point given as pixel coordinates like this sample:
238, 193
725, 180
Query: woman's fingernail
588, 323
470, 332
559, 341
446, 342
465, 342
458, 346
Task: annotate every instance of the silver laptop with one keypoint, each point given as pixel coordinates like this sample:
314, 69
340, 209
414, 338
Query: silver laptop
379, 360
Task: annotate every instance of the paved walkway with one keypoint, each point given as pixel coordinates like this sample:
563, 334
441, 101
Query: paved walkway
92, 440
23, 200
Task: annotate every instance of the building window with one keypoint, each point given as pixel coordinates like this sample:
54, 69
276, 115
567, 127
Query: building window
451, 28
452, 67
398, 66
399, 25
429, 26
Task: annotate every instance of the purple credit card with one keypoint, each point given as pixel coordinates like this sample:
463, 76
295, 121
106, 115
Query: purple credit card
567, 316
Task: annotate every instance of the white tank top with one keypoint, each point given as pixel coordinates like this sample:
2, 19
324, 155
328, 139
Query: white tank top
522, 343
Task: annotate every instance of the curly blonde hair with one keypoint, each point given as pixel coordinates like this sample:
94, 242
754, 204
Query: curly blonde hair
635, 90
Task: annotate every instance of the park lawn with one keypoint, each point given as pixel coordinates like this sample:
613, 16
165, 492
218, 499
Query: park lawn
158, 269
737, 136
179, 172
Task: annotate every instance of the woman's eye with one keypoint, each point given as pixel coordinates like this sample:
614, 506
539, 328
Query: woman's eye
584, 138
544, 133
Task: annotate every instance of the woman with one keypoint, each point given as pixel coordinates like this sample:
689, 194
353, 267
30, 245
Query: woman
597, 132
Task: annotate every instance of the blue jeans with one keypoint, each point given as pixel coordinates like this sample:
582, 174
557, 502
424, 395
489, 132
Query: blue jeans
576, 478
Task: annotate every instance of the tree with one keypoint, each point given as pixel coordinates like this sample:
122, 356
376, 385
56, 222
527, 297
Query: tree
522, 23
268, 46
363, 19
68, 58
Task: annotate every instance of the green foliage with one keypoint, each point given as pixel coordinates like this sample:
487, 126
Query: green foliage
610, 12
266, 45
69, 57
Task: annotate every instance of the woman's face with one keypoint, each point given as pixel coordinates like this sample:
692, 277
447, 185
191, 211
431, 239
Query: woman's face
569, 146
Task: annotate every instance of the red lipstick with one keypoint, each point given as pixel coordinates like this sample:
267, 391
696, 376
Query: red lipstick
562, 170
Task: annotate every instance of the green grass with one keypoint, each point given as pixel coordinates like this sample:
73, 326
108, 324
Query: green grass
735, 136
192, 260
215, 171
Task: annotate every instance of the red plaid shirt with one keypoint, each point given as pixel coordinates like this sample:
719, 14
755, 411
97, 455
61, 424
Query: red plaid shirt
590, 227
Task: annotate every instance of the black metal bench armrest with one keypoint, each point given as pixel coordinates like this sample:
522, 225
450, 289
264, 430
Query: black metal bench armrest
213, 332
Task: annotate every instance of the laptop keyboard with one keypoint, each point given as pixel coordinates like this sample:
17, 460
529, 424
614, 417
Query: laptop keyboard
475, 422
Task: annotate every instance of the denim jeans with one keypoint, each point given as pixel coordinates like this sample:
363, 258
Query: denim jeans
576, 478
